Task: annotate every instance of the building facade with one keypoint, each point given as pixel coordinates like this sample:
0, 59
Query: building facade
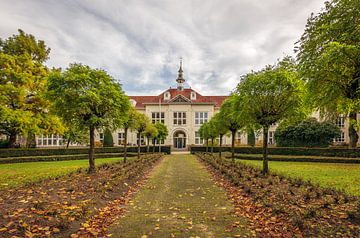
183, 111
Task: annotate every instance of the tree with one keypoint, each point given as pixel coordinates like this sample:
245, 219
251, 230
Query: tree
75, 134
162, 133
108, 138
205, 134
233, 120
89, 98
24, 108
141, 121
270, 95
128, 123
212, 132
329, 60
150, 133
221, 129
308, 133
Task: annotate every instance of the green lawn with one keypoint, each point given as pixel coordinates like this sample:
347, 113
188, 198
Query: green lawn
180, 200
341, 176
17, 174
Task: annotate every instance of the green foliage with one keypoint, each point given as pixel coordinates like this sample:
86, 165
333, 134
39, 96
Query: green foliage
89, 99
162, 131
141, 121
150, 131
270, 95
230, 117
75, 134
108, 139
204, 131
308, 133
329, 59
23, 78
4, 143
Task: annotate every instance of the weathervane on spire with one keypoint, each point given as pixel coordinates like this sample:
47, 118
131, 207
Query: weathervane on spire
180, 79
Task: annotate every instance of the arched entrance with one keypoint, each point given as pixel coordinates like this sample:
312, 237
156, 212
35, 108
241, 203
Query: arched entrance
179, 140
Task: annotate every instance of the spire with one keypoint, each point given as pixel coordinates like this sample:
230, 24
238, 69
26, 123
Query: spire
180, 79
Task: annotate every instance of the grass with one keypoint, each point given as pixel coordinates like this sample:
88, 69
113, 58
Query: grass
17, 174
180, 200
341, 176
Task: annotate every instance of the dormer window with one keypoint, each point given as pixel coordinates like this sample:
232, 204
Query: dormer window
133, 102
193, 96
167, 96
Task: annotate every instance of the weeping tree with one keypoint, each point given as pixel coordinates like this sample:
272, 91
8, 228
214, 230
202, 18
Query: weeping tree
141, 122
150, 133
232, 119
90, 98
329, 61
270, 95
204, 133
128, 123
221, 129
162, 133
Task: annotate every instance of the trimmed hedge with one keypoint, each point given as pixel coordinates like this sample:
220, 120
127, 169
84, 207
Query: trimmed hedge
22, 152
59, 157
290, 158
324, 152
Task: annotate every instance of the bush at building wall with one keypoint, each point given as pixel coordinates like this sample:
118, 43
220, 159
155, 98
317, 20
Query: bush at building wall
251, 137
308, 133
108, 139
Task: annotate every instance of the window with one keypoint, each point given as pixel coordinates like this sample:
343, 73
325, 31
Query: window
49, 140
121, 138
198, 139
161, 142
101, 135
238, 138
158, 117
193, 96
340, 122
341, 138
167, 96
179, 118
142, 140
201, 118
271, 138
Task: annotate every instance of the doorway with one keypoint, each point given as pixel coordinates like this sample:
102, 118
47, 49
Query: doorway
179, 140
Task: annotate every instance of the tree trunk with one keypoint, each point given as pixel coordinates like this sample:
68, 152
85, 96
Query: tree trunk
154, 145
220, 147
207, 145
92, 150
265, 150
12, 140
354, 137
125, 143
148, 145
212, 145
139, 142
31, 140
233, 132
68, 143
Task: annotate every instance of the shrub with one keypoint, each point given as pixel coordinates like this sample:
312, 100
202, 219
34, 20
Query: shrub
251, 137
4, 143
308, 133
108, 139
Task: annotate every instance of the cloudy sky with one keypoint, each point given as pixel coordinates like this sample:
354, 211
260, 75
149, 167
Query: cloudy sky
140, 42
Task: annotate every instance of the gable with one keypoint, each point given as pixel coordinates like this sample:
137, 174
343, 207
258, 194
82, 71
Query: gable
180, 99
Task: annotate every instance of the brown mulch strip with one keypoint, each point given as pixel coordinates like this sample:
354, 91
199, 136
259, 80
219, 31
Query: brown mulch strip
261, 220
57, 207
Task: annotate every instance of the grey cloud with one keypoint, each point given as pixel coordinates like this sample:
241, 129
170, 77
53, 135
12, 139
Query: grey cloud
140, 42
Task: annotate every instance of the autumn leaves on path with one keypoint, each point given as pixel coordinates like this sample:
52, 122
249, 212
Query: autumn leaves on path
180, 200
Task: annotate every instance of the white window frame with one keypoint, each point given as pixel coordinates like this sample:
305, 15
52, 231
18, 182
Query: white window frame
179, 118
341, 138
121, 138
198, 139
158, 117
49, 140
340, 121
201, 118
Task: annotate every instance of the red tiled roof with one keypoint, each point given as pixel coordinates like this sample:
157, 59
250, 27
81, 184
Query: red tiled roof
142, 100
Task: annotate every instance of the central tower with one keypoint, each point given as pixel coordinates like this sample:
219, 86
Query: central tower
180, 79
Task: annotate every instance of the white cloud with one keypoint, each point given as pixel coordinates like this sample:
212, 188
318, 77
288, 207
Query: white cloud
140, 42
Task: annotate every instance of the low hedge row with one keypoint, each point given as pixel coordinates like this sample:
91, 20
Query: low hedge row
298, 158
59, 157
22, 152
325, 152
